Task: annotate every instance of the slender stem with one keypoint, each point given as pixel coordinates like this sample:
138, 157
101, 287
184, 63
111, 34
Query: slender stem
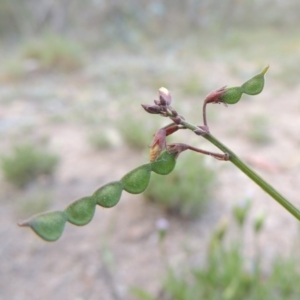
215, 155
204, 114
249, 172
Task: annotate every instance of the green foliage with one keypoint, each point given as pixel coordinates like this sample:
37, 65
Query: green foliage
222, 278
141, 294
12, 70
185, 191
54, 52
26, 163
226, 275
51, 52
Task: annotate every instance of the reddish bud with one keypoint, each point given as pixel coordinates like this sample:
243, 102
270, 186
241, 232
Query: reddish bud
215, 96
171, 129
165, 97
158, 144
152, 109
177, 148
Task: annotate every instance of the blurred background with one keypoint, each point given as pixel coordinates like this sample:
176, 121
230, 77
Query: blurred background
72, 77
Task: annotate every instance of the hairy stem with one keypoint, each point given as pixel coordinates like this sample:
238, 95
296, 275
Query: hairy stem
249, 172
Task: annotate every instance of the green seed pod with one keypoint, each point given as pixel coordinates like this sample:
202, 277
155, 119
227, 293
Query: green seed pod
232, 95
48, 226
81, 211
136, 181
256, 84
109, 194
164, 164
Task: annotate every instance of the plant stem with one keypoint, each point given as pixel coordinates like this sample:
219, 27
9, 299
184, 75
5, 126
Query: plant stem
249, 172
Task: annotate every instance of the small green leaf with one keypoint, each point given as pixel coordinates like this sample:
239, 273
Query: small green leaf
141, 294
109, 194
48, 226
136, 181
164, 164
81, 212
232, 95
256, 84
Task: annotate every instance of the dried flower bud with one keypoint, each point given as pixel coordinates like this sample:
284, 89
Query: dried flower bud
171, 129
177, 148
152, 109
158, 144
215, 96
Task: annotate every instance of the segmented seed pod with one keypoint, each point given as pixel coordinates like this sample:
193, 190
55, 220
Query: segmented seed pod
81, 212
164, 164
48, 226
256, 84
136, 181
232, 95
109, 194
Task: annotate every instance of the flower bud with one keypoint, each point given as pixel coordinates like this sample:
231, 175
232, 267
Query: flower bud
256, 84
215, 96
109, 194
232, 95
136, 181
158, 144
81, 212
152, 109
165, 97
177, 148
